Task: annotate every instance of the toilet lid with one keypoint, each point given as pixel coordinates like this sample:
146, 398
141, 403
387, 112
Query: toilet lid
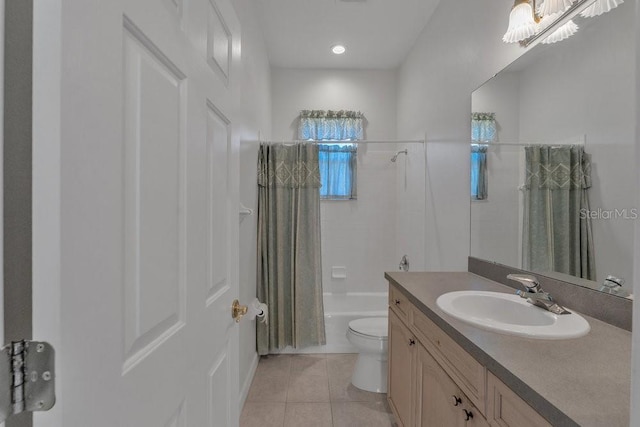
372, 326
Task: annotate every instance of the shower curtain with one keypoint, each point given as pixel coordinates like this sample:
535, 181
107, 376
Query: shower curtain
289, 276
557, 232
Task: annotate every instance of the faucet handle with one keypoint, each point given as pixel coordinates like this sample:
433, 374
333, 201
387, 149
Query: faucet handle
527, 280
613, 281
612, 285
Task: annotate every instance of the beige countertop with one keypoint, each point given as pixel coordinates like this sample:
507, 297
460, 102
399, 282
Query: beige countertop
582, 381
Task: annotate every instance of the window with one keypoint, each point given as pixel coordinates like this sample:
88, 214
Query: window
338, 171
335, 132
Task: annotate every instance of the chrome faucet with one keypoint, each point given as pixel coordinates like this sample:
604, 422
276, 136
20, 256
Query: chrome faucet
535, 295
612, 284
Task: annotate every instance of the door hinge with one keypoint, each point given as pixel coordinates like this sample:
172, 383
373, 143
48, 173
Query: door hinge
26, 378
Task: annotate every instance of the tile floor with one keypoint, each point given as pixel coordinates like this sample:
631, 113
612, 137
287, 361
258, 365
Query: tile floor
311, 391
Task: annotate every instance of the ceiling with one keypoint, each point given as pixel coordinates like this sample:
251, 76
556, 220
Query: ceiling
378, 34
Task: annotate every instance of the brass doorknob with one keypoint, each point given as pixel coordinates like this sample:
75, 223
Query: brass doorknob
238, 310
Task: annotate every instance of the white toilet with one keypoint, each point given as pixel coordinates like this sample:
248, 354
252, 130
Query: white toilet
369, 336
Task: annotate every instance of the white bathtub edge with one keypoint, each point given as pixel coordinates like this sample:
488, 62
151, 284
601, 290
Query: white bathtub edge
360, 313
357, 294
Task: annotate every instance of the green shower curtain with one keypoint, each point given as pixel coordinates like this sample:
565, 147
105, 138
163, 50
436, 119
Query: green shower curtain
289, 276
557, 232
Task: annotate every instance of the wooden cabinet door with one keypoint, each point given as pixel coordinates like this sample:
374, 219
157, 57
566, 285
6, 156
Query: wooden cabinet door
477, 420
401, 353
507, 409
439, 401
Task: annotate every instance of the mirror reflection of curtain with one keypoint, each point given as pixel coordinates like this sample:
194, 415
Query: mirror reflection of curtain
479, 171
484, 127
557, 234
289, 275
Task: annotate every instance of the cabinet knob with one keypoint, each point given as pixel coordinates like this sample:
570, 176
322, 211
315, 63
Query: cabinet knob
397, 302
412, 342
468, 414
456, 400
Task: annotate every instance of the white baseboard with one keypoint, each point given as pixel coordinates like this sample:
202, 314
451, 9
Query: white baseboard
244, 390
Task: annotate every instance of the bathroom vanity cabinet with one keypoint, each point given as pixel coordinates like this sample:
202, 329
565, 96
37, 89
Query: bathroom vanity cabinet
435, 382
420, 391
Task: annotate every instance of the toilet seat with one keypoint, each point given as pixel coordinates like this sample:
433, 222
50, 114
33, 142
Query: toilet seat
370, 327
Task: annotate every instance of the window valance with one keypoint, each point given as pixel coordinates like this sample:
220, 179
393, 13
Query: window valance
325, 125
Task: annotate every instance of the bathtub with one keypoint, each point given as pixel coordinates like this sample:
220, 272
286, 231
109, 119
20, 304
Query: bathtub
339, 310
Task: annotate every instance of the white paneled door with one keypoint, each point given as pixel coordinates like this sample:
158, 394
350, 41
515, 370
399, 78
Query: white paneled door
135, 210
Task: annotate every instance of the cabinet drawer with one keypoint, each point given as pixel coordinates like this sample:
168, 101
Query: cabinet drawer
507, 409
460, 365
399, 303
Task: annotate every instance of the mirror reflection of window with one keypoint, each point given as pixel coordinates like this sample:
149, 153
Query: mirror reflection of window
483, 131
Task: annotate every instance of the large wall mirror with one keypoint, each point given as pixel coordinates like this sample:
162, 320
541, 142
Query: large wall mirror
553, 190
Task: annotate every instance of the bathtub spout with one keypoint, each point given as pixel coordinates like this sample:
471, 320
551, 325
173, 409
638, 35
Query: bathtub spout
404, 263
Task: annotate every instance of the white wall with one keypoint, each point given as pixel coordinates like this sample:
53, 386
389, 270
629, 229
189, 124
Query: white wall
460, 48
357, 234
371, 91
410, 206
256, 118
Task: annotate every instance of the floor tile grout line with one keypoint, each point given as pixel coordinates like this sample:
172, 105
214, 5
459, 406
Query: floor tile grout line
333, 404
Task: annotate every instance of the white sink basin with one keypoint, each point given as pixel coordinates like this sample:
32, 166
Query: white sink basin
509, 314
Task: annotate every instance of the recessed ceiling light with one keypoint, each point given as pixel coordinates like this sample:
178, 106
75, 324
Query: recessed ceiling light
338, 49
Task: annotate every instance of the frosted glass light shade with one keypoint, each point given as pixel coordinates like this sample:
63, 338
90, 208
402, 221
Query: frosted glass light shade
549, 7
521, 24
599, 7
564, 32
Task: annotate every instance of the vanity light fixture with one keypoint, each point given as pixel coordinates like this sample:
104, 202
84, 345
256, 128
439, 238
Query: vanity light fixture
338, 49
599, 7
550, 7
564, 32
523, 22
526, 19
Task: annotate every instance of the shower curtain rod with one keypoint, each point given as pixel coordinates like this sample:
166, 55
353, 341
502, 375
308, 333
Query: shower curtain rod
507, 144
528, 144
576, 140
360, 141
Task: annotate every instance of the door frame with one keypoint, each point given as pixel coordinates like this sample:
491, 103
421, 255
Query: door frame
47, 73
2, 6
